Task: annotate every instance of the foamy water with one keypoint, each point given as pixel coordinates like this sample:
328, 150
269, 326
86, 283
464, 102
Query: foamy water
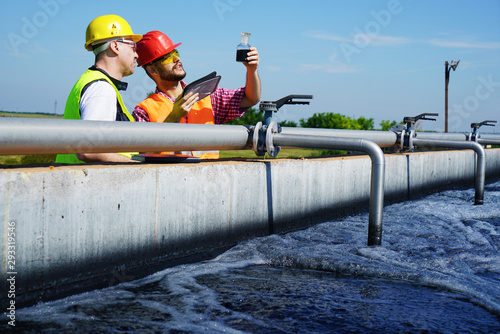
438, 271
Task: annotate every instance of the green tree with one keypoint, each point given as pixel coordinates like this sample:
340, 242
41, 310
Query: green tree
337, 121
363, 123
386, 125
251, 117
290, 124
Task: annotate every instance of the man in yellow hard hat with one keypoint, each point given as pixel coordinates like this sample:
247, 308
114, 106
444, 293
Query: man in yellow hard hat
95, 96
160, 59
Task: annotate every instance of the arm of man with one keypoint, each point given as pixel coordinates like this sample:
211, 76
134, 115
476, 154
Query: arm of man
252, 86
103, 157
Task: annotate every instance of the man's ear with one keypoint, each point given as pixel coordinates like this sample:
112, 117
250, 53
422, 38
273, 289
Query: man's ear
113, 46
151, 69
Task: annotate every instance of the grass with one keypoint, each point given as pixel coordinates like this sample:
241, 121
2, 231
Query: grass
29, 115
13, 160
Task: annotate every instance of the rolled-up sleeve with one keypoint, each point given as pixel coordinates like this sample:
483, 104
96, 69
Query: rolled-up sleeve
140, 115
226, 104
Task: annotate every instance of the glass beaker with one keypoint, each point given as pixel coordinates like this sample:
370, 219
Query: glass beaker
243, 48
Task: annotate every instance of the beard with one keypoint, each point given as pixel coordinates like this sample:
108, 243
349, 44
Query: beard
170, 75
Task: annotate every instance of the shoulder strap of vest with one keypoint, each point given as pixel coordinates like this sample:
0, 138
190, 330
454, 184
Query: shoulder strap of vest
92, 75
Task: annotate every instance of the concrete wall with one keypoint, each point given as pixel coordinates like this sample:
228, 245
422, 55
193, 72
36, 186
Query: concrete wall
87, 226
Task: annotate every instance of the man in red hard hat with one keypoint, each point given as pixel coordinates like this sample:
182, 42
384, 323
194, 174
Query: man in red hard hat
160, 59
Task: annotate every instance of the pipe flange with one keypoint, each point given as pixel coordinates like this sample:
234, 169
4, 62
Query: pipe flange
402, 146
273, 128
410, 141
257, 144
406, 140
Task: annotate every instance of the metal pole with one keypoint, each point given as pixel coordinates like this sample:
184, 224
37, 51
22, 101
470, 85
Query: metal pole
355, 144
481, 161
51, 136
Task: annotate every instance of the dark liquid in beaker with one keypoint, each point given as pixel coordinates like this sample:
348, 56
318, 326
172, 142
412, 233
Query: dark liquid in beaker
241, 55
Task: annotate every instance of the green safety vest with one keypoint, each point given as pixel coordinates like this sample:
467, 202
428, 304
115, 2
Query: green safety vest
72, 109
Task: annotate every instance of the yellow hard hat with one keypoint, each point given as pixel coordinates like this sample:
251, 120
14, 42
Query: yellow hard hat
108, 27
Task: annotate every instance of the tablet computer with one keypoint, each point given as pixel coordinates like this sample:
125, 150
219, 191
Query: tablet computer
203, 86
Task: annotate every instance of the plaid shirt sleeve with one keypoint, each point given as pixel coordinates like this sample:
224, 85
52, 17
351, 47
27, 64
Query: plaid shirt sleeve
140, 115
226, 104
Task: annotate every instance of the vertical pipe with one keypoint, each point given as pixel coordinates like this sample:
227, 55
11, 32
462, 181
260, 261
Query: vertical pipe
377, 173
376, 193
481, 161
481, 173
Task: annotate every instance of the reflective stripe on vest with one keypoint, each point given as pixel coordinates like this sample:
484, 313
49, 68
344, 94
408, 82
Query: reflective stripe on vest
158, 107
72, 109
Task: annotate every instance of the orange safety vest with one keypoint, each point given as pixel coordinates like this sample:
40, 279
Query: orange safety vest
158, 107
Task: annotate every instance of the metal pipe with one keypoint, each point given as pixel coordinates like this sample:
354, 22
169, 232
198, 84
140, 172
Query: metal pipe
441, 136
481, 161
488, 141
51, 136
355, 144
487, 136
381, 138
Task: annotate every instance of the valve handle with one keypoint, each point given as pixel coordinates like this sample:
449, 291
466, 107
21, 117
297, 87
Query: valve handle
421, 116
289, 100
478, 125
286, 100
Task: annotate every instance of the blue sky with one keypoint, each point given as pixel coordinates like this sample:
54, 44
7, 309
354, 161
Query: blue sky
381, 59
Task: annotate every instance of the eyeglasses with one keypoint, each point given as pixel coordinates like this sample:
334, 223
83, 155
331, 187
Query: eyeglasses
103, 46
169, 58
129, 43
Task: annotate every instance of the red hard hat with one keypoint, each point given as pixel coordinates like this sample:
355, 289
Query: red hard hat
153, 45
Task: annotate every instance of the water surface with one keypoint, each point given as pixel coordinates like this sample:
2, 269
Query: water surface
437, 271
